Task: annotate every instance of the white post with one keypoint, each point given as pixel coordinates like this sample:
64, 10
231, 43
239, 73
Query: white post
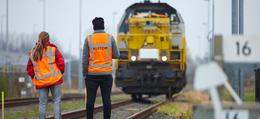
233, 93
216, 102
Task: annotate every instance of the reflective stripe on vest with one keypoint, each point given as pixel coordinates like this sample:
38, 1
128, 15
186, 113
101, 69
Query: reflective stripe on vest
91, 46
50, 54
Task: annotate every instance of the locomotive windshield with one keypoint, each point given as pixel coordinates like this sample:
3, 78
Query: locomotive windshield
139, 10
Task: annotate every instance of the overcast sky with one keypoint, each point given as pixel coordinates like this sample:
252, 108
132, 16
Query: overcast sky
62, 19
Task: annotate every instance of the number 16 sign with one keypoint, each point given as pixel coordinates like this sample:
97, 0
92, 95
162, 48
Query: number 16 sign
241, 49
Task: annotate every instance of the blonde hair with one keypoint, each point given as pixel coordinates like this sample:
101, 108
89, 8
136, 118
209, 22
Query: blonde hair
40, 45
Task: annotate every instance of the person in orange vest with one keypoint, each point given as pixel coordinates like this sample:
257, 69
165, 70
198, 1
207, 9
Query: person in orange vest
46, 66
99, 50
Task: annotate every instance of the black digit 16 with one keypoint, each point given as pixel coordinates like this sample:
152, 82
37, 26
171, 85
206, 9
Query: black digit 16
246, 50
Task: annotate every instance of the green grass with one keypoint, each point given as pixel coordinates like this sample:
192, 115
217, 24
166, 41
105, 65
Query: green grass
181, 108
249, 96
18, 114
177, 110
3, 85
67, 106
225, 95
31, 112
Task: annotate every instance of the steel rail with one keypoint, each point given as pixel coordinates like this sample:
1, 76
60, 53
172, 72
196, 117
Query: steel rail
80, 113
150, 110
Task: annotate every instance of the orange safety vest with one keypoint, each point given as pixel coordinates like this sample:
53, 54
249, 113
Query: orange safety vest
46, 70
100, 54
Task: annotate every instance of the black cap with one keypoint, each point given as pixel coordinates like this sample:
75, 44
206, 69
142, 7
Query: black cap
98, 23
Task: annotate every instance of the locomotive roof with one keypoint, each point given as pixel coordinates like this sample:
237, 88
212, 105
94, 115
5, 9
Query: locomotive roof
150, 5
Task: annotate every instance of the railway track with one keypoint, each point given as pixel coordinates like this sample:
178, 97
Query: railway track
138, 110
35, 100
150, 110
146, 112
134, 109
80, 113
15, 102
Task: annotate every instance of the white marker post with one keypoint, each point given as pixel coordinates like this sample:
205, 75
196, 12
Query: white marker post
209, 77
241, 49
233, 93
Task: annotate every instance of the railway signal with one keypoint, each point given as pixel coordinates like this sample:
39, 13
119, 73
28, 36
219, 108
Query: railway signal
209, 77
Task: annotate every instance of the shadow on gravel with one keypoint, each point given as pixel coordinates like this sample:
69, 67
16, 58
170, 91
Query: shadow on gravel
143, 101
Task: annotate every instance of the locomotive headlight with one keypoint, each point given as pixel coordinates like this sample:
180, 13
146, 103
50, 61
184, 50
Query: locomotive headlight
164, 58
133, 58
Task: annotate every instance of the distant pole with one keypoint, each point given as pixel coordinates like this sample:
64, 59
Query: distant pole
2, 27
7, 31
199, 41
114, 24
213, 30
7, 20
69, 70
80, 49
69, 66
205, 36
34, 32
235, 17
43, 14
241, 16
238, 29
208, 34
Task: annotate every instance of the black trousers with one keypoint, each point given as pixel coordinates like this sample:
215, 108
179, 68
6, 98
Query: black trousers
92, 84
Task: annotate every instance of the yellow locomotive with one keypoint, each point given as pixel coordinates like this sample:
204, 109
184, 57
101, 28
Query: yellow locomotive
152, 47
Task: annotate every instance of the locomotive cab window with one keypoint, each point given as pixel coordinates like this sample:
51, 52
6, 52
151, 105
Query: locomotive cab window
156, 9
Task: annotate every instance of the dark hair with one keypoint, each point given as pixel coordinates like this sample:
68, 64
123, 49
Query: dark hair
98, 23
40, 45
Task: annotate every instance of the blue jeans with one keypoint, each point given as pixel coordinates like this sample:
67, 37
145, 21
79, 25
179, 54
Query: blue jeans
43, 101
